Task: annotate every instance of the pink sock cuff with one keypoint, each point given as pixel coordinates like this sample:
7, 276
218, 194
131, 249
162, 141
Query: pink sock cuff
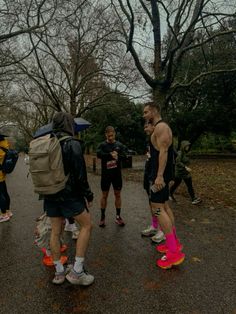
154, 222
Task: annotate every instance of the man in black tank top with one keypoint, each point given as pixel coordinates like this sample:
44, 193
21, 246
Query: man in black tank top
162, 161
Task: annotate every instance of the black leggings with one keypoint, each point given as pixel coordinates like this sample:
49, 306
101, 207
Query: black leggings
189, 184
4, 197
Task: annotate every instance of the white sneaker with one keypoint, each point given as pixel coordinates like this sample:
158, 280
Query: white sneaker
158, 237
196, 201
75, 234
83, 278
4, 218
150, 231
70, 227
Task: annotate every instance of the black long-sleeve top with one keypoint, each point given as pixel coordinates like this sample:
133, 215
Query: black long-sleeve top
77, 185
104, 153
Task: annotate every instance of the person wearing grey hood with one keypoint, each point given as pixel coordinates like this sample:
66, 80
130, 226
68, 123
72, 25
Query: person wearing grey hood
183, 172
73, 201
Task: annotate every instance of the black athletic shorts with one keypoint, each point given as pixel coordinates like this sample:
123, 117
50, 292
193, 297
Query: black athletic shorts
67, 208
161, 196
108, 179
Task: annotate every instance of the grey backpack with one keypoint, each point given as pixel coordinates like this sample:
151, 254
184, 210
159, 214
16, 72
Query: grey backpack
46, 164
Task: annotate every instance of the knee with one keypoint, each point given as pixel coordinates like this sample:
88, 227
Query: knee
87, 227
117, 194
104, 196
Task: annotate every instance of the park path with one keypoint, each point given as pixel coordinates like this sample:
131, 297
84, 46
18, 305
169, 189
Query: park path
123, 263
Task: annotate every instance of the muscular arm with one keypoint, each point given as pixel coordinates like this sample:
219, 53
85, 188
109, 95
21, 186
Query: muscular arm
162, 160
162, 139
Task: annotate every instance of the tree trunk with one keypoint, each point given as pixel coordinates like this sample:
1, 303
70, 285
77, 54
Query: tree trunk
159, 98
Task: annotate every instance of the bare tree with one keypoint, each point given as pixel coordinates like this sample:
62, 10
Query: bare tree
160, 35
18, 18
76, 62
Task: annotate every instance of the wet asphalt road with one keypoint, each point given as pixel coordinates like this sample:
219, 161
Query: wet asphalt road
123, 263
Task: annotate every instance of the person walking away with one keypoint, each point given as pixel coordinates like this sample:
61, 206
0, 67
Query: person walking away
162, 173
153, 230
183, 172
73, 201
6, 213
111, 153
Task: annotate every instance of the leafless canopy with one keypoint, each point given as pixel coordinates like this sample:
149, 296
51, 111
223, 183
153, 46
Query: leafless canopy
160, 35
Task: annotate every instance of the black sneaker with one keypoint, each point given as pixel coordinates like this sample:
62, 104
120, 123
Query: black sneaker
102, 223
196, 201
119, 221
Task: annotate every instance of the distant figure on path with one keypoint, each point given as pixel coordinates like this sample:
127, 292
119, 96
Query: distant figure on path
6, 213
183, 172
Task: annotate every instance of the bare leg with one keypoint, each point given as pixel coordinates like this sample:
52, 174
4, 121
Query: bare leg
117, 194
78, 275
84, 220
163, 217
56, 223
170, 213
104, 197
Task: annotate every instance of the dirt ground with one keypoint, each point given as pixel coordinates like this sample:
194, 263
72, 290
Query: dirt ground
214, 181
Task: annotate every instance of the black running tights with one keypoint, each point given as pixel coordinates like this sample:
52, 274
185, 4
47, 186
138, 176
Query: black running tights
4, 197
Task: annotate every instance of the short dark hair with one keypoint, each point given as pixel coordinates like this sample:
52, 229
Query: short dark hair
153, 105
109, 128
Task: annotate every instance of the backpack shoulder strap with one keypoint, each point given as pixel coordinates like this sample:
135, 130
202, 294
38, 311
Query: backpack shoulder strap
66, 137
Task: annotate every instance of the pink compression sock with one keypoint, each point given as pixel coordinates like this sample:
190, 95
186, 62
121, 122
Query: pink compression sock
175, 234
154, 222
171, 242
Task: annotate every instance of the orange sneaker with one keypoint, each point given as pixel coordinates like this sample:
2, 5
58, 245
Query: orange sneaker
48, 261
162, 248
64, 247
171, 259
44, 250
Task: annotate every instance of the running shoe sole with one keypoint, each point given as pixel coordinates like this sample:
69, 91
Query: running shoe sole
173, 264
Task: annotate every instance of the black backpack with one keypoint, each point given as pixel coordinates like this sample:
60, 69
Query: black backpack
9, 161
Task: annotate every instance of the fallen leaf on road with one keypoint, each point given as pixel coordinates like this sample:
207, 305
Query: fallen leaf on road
205, 221
151, 285
196, 260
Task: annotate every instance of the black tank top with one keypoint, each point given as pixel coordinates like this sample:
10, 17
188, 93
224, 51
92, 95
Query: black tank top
169, 169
